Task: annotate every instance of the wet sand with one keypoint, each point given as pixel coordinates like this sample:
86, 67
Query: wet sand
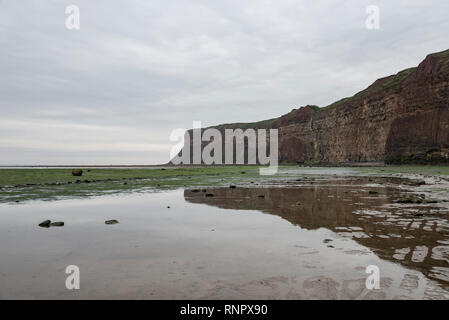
306, 239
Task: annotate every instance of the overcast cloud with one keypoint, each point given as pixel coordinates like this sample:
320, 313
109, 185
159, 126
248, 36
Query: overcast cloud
111, 92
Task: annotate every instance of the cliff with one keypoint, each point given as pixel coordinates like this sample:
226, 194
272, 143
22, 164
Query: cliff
403, 118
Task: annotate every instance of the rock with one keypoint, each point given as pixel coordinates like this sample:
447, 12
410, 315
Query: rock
111, 221
406, 200
45, 224
77, 172
417, 201
57, 224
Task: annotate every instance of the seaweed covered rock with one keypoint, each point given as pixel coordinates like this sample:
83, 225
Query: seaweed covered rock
77, 172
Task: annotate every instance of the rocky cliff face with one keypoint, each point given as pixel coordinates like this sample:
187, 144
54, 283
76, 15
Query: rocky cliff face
403, 118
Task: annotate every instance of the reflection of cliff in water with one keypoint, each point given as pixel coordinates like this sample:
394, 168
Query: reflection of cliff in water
414, 235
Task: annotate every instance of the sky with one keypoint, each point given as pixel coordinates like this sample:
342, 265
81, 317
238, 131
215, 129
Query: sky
112, 91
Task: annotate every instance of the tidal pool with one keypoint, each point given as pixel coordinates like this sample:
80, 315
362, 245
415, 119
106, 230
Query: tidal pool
301, 240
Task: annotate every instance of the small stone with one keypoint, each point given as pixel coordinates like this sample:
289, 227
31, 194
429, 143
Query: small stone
405, 200
45, 224
57, 224
111, 222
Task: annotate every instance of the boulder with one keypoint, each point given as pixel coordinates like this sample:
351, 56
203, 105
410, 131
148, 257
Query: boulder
77, 172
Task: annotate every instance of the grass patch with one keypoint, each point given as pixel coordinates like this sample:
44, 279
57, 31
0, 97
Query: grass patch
49, 184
